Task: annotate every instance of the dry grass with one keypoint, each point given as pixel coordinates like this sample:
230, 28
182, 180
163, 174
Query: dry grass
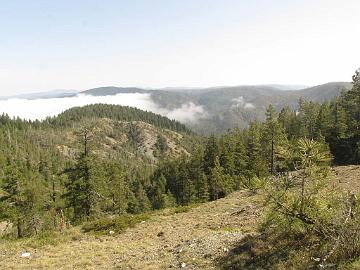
196, 237
348, 177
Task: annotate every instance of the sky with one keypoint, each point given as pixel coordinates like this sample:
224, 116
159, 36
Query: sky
62, 44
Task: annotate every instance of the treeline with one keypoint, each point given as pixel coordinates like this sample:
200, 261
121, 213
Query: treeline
45, 178
114, 112
239, 158
337, 122
40, 187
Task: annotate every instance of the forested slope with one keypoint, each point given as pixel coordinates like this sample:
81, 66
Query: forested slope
101, 175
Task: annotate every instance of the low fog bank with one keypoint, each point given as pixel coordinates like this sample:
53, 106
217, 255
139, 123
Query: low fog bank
240, 102
42, 108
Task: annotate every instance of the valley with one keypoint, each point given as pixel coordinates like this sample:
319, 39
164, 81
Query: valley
204, 110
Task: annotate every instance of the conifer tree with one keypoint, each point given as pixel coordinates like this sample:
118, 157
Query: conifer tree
273, 137
256, 161
24, 200
159, 193
220, 183
202, 188
80, 195
339, 125
226, 156
240, 157
210, 154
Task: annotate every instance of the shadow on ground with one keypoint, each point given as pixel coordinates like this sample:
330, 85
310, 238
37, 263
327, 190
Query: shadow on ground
260, 252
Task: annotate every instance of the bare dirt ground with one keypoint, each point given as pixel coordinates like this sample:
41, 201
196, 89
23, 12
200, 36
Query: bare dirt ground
190, 240
348, 177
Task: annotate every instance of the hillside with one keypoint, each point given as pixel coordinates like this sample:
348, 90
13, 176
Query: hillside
123, 134
207, 236
228, 107
202, 110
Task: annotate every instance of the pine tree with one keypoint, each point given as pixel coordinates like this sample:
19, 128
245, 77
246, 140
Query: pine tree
80, 195
186, 189
352, 106
202, 188
338, 113
143, 200
23, 201
210, 154
159, 193
273, 137
288, 121
240, 158
256, 160
161, 144
226, 156
13, 185
323, 122
220, 183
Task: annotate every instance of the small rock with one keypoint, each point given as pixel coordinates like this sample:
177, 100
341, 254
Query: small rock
183, 265
111, 232
25, 255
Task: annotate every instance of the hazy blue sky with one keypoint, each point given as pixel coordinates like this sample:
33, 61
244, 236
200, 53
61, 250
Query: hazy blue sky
59, 44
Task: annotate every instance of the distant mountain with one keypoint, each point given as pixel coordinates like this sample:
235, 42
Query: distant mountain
324, 92
229, 107
43, 95
217, 109
112, 90
288, 86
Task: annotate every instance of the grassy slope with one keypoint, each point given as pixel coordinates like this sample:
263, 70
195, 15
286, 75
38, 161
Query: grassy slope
198, 238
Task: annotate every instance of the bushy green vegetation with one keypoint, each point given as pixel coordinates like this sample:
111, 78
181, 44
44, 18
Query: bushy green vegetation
286, 157
48, 181
120, 113
113, 225
308, 223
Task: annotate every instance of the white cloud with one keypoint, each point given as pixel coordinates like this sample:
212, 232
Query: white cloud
249, 106
240, 102
188, 112
42, 108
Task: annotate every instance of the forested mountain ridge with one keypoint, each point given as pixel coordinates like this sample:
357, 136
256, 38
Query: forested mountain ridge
228, 107
203, 110
114, 112
119, 132
123, 147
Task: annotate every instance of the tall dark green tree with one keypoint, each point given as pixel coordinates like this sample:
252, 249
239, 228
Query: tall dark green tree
210, 154
273, 137
256, 160
80, 188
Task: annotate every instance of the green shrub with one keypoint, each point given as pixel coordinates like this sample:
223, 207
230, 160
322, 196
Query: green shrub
117, 224
183, 209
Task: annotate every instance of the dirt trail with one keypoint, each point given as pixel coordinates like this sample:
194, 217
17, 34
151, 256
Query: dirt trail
191, 240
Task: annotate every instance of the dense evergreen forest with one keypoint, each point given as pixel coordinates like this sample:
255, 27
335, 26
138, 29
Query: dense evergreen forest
50, 177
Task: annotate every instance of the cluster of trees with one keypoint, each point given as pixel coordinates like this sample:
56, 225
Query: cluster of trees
228, 162
114, 112
38, 183
336, 122
224, 164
